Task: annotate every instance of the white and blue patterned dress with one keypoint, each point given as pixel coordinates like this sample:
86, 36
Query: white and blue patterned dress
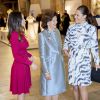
81, 41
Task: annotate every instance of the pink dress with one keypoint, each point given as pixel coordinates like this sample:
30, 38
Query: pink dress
20, 72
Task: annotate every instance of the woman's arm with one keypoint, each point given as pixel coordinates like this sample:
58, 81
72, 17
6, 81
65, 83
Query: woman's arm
94, 47
66, 42
16, 50
42, 50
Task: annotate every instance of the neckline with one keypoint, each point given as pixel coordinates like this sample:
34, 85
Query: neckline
82, 24
50, 31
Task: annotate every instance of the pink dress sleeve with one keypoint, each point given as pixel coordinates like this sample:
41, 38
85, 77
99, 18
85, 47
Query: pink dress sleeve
27, 53
15, 45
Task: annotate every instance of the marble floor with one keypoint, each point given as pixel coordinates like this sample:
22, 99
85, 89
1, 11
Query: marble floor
5, 67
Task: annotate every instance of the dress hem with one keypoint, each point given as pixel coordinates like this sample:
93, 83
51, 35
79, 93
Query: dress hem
54, 93
80, 84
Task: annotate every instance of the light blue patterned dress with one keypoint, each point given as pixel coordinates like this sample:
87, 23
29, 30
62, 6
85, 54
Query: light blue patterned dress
51, 57
81, 41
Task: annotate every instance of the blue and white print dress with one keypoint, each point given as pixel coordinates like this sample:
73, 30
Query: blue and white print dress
81, 41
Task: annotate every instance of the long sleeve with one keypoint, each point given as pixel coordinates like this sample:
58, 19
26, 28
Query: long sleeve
66, 41
16, 51
59, 39
94, 46
42, 50
28, 54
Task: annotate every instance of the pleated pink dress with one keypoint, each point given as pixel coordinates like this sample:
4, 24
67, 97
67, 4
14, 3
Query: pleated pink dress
20, 81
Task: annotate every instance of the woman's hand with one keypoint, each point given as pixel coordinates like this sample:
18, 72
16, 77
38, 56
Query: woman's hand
34, 66
66, 52
31, 58
97, 67
47, 76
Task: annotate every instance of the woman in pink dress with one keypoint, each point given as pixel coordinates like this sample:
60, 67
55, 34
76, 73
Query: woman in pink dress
20, 73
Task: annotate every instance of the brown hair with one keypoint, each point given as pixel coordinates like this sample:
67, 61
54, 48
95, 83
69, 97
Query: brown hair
85, 11
15, 24
47, 16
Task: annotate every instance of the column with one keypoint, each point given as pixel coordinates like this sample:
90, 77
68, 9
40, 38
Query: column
45, 4
60, 5
53, 4
87, 3
21, 5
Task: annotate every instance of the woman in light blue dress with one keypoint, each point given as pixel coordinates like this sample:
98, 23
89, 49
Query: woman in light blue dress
80, 42
52, 71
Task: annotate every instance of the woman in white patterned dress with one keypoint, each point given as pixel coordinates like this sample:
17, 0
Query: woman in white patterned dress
80, 40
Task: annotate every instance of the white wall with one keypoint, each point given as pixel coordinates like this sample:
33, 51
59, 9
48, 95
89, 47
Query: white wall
71, 5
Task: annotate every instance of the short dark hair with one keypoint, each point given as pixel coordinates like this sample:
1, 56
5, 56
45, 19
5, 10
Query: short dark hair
47, 16
14, 23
